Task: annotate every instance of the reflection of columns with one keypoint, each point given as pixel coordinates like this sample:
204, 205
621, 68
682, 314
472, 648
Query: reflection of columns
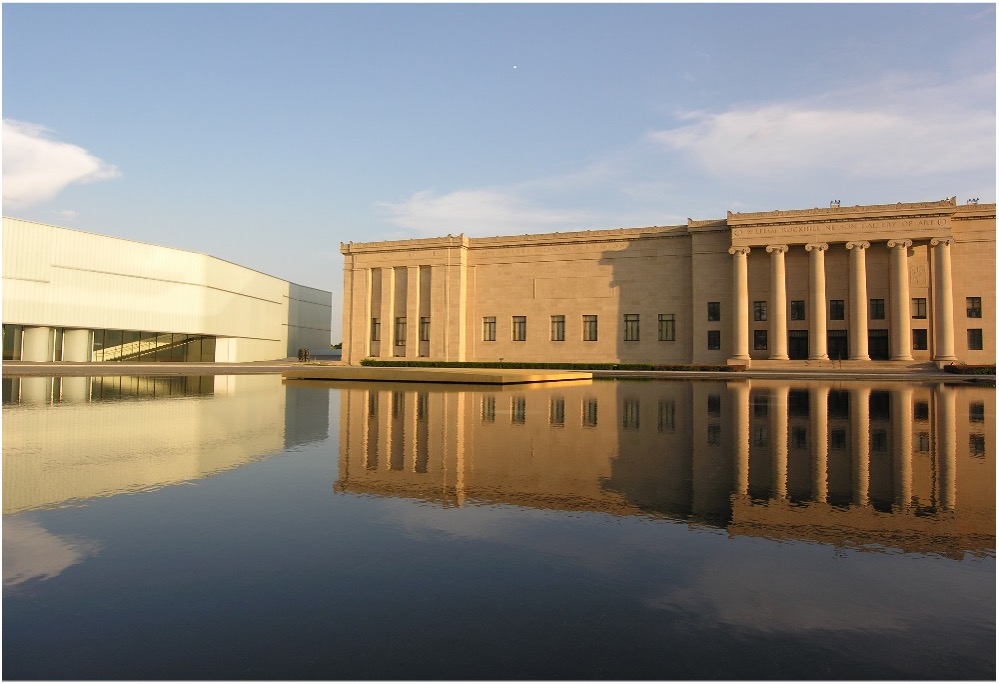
76, 345
412, 312
739, 395
858, 300
384, 436
900, 336
860, 442
943, 301
740, 302
778, 303
76, 389
410, 399
778, 423
36, 390
817, 300
36, 344
947, 445
901, 436
818, 415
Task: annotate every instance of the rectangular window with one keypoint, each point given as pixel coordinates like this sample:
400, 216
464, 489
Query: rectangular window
589, 413
667, 327
976, 412
760, 340
558, 328
877, 309
975, 338
974, 307
488, 328
919, 339
714, 339
589, 328
798, 310
921, 411
424, 328
631, 327
919, 307
520, 328
400, 332
376, 330
837, 310
759, 311
714, 311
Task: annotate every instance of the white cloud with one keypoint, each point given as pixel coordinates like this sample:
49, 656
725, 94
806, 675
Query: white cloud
906, 131
36, 167
32, 552
477, 213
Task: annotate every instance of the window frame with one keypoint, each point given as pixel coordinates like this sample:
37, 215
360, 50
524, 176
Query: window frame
558, 328
667, 327
837, 310
797, 307
518, 329
714, 340
760, 310
590, 327
918, 307
632, 327
488, 328
714, 312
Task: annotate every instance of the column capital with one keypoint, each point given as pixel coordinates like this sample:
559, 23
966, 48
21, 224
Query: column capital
859, 244
906, 244
742, 251
820, 246
780, 249
945, 241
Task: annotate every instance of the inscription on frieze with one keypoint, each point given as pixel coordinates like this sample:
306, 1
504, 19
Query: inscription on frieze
877, 229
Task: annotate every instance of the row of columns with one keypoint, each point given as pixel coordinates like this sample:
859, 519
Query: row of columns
860, 441
38, 344
900, 334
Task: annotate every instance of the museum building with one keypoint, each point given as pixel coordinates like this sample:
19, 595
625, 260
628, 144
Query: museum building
70, 295
902, 284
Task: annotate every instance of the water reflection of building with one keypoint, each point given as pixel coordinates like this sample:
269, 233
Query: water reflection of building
848, 463
106, 436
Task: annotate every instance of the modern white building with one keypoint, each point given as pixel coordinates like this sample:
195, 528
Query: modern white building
69, 295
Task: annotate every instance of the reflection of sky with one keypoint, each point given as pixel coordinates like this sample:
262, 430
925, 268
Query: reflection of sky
715, 580
30, 552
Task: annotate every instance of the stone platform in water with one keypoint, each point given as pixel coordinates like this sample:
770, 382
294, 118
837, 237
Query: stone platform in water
464, 376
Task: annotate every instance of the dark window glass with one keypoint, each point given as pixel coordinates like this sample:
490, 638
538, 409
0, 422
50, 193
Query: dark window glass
489, 329
667, 327
759, 311
798, 310
714, 339
919, 307
919, 339
974, 307
714, 311
424, 328
558, 328
631, 328
976, 412
921, 411
837, 310
400, 331
520, 328
975, 338
877, 309
376, 330
589, 328
759, 340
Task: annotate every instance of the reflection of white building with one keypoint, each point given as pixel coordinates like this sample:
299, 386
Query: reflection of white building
75, 296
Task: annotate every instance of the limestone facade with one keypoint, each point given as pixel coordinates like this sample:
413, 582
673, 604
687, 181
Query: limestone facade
907, 283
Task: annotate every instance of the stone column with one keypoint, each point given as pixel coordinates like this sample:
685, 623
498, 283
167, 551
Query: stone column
901, 324
943, 301
860, 442
778, 423
817, 342
36, 343
818, 418
901, 436
412, 312
778, 303
739, 395
858, 300
740, 303
77, 345
947, 446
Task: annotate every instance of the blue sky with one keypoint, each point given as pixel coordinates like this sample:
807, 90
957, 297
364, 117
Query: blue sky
268, 134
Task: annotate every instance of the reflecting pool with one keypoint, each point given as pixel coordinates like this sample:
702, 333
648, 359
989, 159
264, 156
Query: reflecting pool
244, 527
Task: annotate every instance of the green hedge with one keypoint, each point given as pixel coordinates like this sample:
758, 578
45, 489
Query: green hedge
963, 369
384, 363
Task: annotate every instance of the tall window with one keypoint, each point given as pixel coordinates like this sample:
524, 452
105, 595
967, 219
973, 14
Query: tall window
798, 310
488, 328
759, 311
376, 330
877, 309
424, 328
974, 307
919, 307
631, 327
714, 311
759, 340
400, 331
558, 328
520, 328
667, 327
919, 339
837, 310
975, 338
589, 328
714, 339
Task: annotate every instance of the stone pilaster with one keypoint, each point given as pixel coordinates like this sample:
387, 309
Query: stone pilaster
943, 302
817, 335
778, 303
740, 304
900, 334
858, 300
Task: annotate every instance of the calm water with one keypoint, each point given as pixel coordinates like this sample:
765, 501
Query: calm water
240, 527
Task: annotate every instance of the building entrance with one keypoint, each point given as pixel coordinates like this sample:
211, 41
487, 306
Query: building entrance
797, 344
837, 345
877, 345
